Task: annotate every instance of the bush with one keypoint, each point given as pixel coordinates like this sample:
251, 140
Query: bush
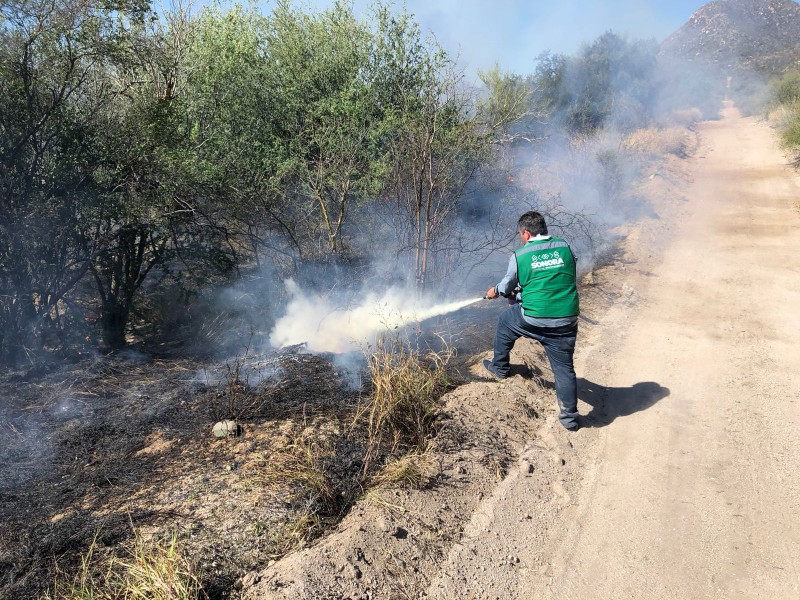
790, 136
787, 91
686, 117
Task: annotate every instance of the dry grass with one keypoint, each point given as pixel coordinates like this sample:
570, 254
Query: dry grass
405, 399
302, 467
687, 117
673, 140
303, 473
413, 470
322, 468
296, 533
150, 571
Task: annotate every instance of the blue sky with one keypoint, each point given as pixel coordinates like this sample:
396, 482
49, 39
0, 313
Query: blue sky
513, 32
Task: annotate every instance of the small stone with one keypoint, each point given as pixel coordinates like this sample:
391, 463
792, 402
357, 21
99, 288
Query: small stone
250, 579
227, 428
383, 524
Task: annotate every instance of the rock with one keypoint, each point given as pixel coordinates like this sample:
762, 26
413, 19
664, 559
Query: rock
227, 428
250, 579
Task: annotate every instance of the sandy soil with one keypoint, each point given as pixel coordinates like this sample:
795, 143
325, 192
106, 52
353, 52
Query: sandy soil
683, 483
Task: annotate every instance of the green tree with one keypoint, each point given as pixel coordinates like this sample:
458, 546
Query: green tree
609, 82
435, 143
327, 127
50, 56
231, 112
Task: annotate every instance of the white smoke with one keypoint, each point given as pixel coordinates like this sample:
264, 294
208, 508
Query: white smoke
324, 326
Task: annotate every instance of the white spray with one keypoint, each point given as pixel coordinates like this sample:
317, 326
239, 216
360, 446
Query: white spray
325, 327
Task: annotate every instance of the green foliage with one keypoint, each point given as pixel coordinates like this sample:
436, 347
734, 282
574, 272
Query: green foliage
787, 90
152, 570
147, 150
609, 82
791, 130
506, 104
326, 125
786, 95
54, 66
139, 143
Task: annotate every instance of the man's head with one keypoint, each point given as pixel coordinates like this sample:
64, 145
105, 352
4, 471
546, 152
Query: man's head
531, 223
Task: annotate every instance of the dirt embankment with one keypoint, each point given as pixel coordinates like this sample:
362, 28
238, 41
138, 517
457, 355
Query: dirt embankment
682, 485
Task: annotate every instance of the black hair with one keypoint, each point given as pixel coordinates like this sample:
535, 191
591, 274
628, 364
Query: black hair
532, 222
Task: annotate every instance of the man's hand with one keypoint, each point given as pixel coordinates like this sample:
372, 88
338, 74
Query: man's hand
491, 294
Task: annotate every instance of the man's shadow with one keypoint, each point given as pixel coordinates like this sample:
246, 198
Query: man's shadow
608, 403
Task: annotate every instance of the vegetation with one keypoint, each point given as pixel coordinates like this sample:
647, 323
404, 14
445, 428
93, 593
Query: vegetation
152, 570
149, 153
151, 157
386, 441
786, 98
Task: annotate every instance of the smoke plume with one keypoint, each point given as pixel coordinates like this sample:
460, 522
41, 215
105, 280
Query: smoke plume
324, 325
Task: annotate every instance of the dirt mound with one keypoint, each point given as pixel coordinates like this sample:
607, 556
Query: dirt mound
395, 542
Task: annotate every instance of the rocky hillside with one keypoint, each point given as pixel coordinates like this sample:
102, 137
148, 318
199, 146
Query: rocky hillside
754, 35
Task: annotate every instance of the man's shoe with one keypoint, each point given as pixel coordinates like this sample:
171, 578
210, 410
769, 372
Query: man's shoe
487, 366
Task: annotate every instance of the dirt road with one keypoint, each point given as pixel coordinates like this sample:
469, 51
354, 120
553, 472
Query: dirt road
687, 486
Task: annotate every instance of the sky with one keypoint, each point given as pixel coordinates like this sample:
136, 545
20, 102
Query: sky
513, 33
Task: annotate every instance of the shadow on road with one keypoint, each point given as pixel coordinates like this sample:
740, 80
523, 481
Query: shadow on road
608, 403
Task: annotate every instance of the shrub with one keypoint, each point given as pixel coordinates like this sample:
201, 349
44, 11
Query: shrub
687, 117
787, 91
790, 135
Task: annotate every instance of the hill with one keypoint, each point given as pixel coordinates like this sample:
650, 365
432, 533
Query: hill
760, 36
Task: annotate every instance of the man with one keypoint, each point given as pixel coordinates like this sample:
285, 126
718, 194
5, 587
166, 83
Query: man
544, 268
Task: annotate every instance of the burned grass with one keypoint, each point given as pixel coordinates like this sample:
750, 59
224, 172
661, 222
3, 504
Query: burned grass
95, 454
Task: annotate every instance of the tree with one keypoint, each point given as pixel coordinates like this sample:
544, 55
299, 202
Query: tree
139, 168
50, 54
435, 143
327, 127
609, 82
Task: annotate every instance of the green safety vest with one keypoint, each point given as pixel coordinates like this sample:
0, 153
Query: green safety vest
546, 273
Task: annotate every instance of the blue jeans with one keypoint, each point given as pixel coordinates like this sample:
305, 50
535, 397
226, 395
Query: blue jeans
559, 345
